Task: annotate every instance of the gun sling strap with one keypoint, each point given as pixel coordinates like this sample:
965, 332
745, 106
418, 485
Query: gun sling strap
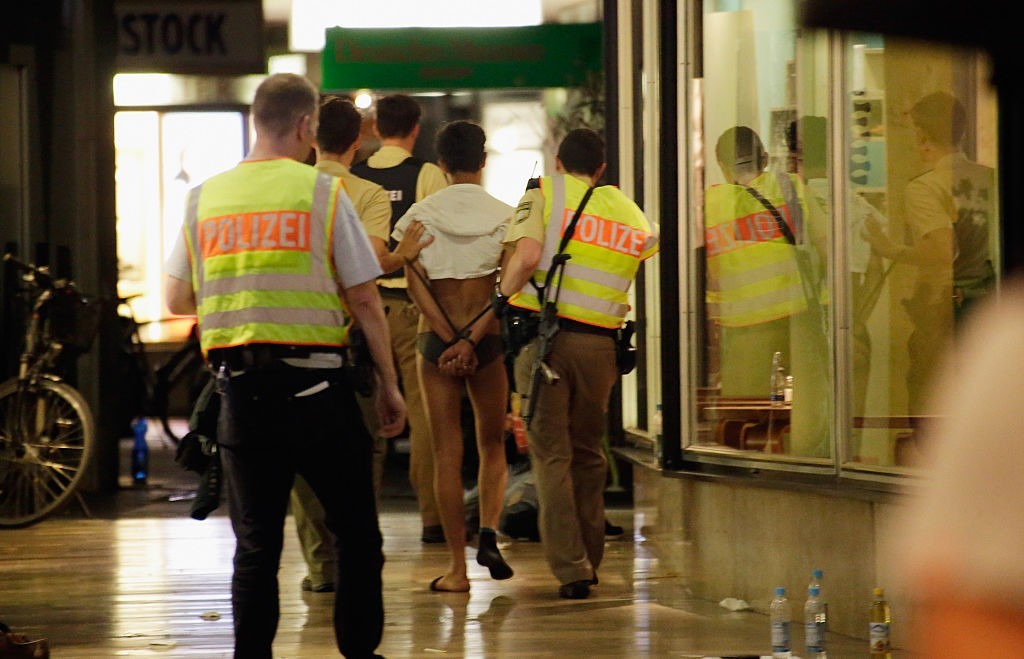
560, 257
548, 325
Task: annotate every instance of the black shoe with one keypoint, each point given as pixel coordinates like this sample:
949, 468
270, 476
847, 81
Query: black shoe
432, 535
612, 530
489, 556
325, 587
577, 590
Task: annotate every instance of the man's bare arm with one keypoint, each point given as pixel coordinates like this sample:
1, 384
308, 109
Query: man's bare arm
181, 299
365, 305
409, 247
520, 266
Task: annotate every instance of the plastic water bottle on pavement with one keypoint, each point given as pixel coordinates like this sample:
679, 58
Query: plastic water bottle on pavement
140, 453
817, 579
781, 614
878, 630
814, 624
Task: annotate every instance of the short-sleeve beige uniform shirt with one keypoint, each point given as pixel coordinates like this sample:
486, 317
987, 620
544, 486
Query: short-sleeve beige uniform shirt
528, 218
369, 199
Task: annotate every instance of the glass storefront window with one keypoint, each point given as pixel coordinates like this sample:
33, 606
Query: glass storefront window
922, 227
836, 257
766, 230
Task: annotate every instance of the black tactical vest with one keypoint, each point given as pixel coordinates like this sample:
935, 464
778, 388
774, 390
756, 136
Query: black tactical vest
400, 183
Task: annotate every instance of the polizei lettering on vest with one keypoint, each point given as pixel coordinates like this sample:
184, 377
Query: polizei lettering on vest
254, 232
751, 229
602, 232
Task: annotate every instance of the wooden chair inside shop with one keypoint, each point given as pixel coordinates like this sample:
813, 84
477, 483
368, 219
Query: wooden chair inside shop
752, 435
749, 424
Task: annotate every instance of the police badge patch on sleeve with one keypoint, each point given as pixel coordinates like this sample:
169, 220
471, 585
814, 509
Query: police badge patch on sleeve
523, 212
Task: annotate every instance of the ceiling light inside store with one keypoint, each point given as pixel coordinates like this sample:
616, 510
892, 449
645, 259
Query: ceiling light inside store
310, 18
364, 100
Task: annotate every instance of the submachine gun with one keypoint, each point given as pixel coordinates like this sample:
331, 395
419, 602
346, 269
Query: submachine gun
547, 327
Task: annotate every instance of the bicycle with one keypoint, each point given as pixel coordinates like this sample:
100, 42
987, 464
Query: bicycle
47, 430
150, 388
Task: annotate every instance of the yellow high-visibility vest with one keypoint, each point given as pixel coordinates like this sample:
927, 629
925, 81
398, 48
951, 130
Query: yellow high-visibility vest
259, 242
752, 271
611, 239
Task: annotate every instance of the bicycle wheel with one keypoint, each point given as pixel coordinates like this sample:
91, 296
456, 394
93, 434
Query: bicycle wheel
47, 439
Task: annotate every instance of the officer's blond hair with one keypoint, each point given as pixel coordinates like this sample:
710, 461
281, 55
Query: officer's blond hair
281, 101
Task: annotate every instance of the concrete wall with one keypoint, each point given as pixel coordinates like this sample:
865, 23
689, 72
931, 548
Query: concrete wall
736, 537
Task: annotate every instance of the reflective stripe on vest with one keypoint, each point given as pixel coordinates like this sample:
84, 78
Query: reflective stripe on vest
265, 276
753, 273
611, 238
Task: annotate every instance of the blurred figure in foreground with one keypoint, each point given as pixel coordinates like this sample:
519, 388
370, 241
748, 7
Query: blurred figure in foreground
964, 527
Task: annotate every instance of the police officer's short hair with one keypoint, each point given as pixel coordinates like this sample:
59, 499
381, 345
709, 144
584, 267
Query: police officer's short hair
281, 100
340, 123
582, 151
397, 115
741, 149
460, 146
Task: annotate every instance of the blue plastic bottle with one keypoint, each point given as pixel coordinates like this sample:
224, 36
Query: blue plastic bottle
140, 453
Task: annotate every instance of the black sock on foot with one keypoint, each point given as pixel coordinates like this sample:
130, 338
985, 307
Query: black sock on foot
490, 557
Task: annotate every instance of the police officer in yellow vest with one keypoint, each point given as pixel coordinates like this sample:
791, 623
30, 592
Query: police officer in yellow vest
762, 295
264, 248
610, 240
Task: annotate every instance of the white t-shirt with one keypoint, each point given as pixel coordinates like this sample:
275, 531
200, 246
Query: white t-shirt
468, 226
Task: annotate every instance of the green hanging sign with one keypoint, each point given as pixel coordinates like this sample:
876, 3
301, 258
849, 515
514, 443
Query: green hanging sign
537, 56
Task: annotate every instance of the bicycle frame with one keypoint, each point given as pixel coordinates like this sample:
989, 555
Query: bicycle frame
47, 432
39, 355
181, 369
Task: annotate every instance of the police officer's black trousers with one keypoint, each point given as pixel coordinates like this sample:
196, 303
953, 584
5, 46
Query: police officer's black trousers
267, 434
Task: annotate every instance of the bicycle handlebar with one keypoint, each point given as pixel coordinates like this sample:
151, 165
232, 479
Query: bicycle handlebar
41, 273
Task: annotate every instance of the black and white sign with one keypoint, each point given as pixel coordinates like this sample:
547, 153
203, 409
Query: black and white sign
190, 37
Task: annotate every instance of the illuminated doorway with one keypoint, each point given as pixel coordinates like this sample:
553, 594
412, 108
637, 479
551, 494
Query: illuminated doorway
160, 156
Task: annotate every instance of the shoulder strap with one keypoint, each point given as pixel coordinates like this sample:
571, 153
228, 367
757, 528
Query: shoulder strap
787, 233
560, 257
571, 229
796, 211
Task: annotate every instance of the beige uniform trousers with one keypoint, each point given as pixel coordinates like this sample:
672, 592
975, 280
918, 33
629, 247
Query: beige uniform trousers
566, 449
316, 541
403, 320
